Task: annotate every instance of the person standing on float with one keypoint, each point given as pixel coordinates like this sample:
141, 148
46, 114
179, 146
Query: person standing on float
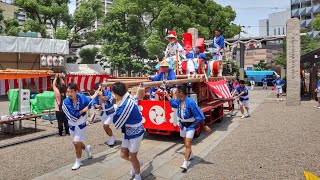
218, 48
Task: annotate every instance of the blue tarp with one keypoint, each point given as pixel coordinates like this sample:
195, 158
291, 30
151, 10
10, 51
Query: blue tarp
258, 75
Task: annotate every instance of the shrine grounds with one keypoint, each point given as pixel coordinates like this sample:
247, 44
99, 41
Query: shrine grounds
276, 142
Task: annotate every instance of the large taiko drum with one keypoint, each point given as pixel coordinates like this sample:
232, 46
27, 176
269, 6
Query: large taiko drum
186, 65
43, 61
214, 68
199, 70
49, 61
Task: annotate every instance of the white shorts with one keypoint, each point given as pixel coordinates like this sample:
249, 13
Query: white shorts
106, 119
244, 103
278, 90
187, 134
78, 135
133, 145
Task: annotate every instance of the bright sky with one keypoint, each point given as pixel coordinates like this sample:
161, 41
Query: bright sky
72, 6
249, 12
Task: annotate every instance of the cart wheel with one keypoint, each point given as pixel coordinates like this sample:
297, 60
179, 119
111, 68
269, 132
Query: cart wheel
220, 111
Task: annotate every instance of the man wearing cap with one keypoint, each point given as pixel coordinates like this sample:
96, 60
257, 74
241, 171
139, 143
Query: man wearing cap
166, 74
278, 83
104, 102
172, 49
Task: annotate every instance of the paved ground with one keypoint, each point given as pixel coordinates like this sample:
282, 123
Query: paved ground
162, 156
277, 142
259, 147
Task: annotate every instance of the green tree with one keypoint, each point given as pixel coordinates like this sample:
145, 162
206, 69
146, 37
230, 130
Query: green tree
43, 11
11, 27
316, 23
123, 34
134, 30
62, 32
1, 19
261, 66
34, 26
308, 44
88, 55
281, 59
79, 26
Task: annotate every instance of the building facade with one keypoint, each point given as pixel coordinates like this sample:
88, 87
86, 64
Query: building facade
264, 27
275, 24
306, 11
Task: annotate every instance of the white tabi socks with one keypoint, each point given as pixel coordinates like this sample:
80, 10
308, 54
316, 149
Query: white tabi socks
185, 165
137, 177
132, 172
88, 150
111, 141
77, 164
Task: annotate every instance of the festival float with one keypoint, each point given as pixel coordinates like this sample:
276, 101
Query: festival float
208, 90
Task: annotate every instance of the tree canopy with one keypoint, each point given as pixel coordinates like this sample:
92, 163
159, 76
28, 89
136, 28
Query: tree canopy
41, 12
88, 55
307, 43
134, 30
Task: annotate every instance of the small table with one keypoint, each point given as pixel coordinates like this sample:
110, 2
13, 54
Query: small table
11, 122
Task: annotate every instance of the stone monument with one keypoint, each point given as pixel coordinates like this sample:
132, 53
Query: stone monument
293, 62
194, 33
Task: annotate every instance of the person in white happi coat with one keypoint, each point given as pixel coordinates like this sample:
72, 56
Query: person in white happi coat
172, 48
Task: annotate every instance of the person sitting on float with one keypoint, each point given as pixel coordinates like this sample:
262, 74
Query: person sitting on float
201, 55
172, 48
195, 55
166, 74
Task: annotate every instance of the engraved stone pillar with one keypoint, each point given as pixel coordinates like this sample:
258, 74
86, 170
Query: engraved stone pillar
194, 33
293, 62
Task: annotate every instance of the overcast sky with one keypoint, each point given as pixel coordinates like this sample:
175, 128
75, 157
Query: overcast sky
249, 12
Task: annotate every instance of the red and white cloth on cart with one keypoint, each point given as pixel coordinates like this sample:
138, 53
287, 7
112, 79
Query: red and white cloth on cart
220, 89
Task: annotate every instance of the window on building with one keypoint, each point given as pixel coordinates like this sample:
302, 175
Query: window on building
275, 32
267, 28
283, 30
278, 31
